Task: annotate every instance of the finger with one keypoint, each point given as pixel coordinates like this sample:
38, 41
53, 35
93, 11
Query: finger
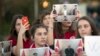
78, 15
51, 17
21, 23
26, 23
27, 26
51, 12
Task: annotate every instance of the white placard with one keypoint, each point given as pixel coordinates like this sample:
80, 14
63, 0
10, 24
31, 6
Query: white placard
63, 44
43, 51
92, 45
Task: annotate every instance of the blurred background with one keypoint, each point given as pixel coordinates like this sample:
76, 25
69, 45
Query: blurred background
32, 9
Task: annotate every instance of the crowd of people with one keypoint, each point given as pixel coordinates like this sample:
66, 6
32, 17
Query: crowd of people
44, 30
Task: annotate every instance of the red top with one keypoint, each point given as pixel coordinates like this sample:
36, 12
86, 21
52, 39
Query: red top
26, 44
33, 46
66, 35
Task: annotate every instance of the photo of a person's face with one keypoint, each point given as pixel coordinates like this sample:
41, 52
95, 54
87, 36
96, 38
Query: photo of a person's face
65, 7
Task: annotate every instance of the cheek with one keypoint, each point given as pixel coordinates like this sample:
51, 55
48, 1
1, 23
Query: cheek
69, 24
79, 31
45, 21
17, 28
66, 24
37, 38
89, 30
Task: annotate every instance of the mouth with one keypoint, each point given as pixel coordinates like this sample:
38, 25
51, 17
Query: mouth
47, 23
43, 41
84, 33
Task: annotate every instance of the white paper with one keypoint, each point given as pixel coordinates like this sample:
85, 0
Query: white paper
64, 43
65, 12
5, 48
38, 51
92, 45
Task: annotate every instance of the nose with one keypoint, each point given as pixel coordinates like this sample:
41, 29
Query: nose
82, 28
48, 20
43, 36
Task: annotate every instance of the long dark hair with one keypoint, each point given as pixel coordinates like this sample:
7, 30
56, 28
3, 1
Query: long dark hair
92, 24
13, 30
59, 31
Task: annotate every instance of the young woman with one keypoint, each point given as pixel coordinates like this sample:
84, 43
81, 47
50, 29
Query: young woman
47, 19
39, 34
64, 30
85, 27
19, 37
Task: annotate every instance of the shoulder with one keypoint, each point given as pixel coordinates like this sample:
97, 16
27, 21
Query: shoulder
8, 37
11, 38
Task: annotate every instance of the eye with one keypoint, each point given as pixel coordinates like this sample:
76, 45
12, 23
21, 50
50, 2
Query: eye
18, 24
48, 17
39, 34
85, 26
45, 33
45, 18
79, 27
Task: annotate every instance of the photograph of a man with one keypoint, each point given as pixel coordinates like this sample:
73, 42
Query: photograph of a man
69, 51
75, 10
35, 54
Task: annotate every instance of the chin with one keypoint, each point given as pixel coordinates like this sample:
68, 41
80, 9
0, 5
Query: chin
42, 44
84, 35
46, 25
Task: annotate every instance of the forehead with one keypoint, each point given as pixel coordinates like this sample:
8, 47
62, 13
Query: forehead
41, 29
46, 16
18, 20
83, 22
66, 21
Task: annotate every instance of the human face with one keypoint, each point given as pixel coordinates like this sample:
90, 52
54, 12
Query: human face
40, 37
18, 25
84, 28
46, 20
66, 23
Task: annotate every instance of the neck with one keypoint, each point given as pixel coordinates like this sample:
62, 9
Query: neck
37, 46
65, 28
